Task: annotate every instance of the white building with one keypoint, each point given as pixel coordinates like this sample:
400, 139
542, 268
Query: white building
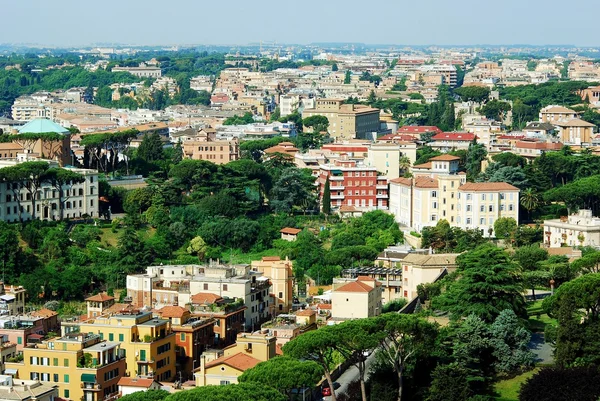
357, 299
579, 229
78, 199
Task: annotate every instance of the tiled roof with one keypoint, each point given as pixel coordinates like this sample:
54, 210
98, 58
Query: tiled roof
306, 312
557, 109
102, 297
239, 361
270, 258
454, 136
290, 231
424, 165
43, 313
425, 182
172, 311
402, 181
487, 187
347, 209
575, 122
135, 382
440, 259
418, 129
355, 286
205, 298
324, 306
444, 158
538, 145
281, 149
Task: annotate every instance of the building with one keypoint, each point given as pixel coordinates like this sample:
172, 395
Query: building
289, 233
575, 131
248, 351
12, 300
99, 304
385, 158
286, 327
130, 385
81, 365
39, 139
78, 199
206, 146
357, 299
390, 279
346, 121
591, 94
554, 114
147, 344
422, 269
281, 275
227, 315
354, 184
579, 229
175, 285
447, 141
24, 330
26, 390
440, 193
142, 71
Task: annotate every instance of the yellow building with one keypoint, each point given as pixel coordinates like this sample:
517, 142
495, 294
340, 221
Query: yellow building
247, 352
82, 366
147, 343
357, 299
346, 121
423, 269
281, 275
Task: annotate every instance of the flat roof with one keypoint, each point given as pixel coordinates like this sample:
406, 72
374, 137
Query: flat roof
154, 322
103, 346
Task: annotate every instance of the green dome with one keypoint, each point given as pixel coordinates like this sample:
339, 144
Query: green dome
41, 126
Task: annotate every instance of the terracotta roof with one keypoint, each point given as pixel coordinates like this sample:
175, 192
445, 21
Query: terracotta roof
270, 258
487, 187
172, 311
575, 122
424, 165
510, 137
306, 312
425, 182
556, 109
418, 129
454, 136
119, 307
43, 313
347, 209
135, 382
444, 158
239, 361
278, 350
290, 231
281, 149
439, 259
324, 306
355, 286
538, 145
205, 298
102, 297
345, 148
402, 181
365, 278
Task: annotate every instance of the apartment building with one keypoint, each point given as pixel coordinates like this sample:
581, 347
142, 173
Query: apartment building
12, 300
31, 107
354, 184
358, 299
142, 71
553, 114
575, 131
281, 275
591, 94
289, 326
579, 229
390, 279
422, 269
147, 344
176, 284
227, 314
26, 390
78, 199
439, 192
385, 158
24, 330
346, 121
248, 351
205, 146
447, 141
81, 365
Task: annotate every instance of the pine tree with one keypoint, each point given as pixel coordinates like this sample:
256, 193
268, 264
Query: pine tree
327, 198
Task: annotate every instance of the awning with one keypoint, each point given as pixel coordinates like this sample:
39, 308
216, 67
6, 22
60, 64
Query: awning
88, 378
10, 371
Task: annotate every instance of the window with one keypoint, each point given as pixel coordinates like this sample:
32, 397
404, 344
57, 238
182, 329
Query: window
66, 362
66, 379
491, 208
433, 217
121, 338
205, 286
182, 337
502, 196
143, 355
224, 287
468, 208
510, 208
111, 337
501, 207
434, 194
224, 382
482, 208
468, 196
67, 393
481, 221
55, 378
19, 340
280, 294
434, 206
482, 197
468, 220
55, 363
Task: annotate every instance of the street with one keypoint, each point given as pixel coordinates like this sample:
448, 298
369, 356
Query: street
349, 376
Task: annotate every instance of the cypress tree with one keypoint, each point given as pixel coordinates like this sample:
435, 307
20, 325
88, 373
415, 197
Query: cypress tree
327, 198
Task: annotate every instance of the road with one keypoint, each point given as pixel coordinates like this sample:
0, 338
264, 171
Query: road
349, 376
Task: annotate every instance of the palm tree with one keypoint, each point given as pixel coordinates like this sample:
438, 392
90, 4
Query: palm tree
530, 201
404, 163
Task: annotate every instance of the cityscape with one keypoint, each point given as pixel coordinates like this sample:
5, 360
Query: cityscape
236, 211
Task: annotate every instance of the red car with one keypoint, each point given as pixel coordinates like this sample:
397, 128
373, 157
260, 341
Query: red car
326, 392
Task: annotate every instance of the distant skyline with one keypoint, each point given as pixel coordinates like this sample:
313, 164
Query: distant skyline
71, 23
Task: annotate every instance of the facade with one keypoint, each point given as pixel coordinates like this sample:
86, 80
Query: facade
346, 121
579, 229
447, 141
26, 390
12, 300
390, 279
422, 269
385, 158
147, 344
143, 71
281, 275
228, 317
575, 131
24, 330
81, 365
248, 351
357, 299
554, 114
130, 385
176, 284
205, 146
354, 184
289, 233
78, 199
442, 194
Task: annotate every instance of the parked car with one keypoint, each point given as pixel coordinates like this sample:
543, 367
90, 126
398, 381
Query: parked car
326, 392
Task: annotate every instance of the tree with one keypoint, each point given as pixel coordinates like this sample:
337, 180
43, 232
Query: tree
326, 203
14, 177
505, 228
511, 344
475, 94
318, 123
555, 383
347, 77
334, 67
285, 374
495, 109
150, 395
197, 247
151, 148
317, 346
488, 283
62, 180
529, 257
450, 383
35, 176
476, 153
293, 190
407, 336
232, 392
530, 201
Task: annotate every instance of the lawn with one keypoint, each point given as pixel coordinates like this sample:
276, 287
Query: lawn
538, 320
236, 256
112, 238
508, 390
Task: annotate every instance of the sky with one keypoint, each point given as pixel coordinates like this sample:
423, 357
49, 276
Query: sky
240, 22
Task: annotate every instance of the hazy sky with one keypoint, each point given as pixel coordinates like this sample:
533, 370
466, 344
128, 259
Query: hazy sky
411, 22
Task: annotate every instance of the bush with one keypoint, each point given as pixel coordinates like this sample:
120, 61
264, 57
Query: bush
550, 384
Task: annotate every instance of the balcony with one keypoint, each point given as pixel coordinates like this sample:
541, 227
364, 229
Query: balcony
337, 187
337, 196
382, 196
381, 186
